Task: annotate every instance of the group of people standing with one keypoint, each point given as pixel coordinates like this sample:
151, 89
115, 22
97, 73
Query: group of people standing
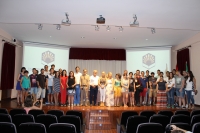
80, 89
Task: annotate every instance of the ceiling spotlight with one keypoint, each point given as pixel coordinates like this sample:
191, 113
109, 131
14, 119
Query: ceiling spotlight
66, 21
40, 27
96, 28
153, 30
114, 38
82, 37
58, 27
135, 22
108, 28
120, 29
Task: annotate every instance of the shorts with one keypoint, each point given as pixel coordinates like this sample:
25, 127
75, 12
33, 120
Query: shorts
152, 93
34, 90
180, 94
143, 93
41, 93
25, 89
50, 90
117, 91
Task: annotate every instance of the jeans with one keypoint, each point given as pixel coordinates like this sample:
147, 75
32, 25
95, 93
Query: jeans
93, 92
190, 97
77, 94
170, 97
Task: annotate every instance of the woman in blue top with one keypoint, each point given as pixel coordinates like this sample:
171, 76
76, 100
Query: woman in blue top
25, 85
18, 86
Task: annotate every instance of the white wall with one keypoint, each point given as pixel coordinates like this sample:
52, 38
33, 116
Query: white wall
194, 59
18, 59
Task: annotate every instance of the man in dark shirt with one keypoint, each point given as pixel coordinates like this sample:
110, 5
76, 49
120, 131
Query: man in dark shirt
41, 83
152, 90
33, 79
148, 87
144, 83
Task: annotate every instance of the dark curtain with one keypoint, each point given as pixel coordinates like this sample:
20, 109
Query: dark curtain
8, 67
97, 54
183, 56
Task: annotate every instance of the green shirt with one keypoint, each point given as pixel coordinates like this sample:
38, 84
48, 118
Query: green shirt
117, 82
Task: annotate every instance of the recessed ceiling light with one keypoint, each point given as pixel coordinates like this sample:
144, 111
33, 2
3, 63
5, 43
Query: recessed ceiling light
146, 39
50, 36
82, 37
114, 38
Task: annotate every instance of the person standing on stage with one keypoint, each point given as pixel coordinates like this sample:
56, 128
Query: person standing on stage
152, 90
46, 73
117, 89
26, 85
138, 73
102, 87
148, 87
161, 93
34, 89
50, 77
63, 87
131, 88
170, 90
71, 88
56, 87
53, 67
46, 70
137, 86
41, 83
109, 90
94, 87
158, 74
77, 75
144, 83
125, 89
84, 83
18, 86
60, 72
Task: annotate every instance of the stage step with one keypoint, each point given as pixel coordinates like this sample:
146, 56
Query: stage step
99, 120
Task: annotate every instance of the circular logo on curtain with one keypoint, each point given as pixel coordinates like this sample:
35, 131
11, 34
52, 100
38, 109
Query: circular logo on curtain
148, 61
48, 57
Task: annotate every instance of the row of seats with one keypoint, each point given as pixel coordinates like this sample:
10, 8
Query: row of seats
165, 117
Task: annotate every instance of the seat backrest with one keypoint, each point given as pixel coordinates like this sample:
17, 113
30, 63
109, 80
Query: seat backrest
62, 128
77, 113
184, 126
180, 119
194, 112
22, 118
71, 119
6, 127
195, 119
166, 113
196, 128
150, 128
35, 113
46, 119
147, 113
125, 115
5, 118
133, 122
162, 119
182, 112
57, 113
31, 128
14, 112
3, 111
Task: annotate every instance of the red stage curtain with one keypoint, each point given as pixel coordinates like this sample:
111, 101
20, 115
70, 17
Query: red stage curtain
8, 67
97, 54
183, 56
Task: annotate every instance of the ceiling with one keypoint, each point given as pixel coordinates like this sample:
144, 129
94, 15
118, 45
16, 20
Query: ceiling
175, 22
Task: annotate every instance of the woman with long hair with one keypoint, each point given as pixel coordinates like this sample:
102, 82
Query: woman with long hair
170, 90
63, 87
71, 88
117, 89
190, 89
56, 86
125, 89
161, 93
18, 86
109, 90
102, 87
131, 88
137, 86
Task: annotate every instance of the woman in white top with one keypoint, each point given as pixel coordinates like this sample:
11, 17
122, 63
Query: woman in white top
190, 89
170, 91
125, 89
109, 90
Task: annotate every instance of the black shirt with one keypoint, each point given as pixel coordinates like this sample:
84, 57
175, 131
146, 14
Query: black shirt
162, 85
71, 81
42, 80
148, 80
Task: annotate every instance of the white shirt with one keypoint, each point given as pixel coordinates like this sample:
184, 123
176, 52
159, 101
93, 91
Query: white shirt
77, 77
46, 73
170, 82
189, 84
94, 80
50, 80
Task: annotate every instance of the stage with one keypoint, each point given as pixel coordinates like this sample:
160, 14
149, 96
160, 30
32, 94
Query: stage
114, 112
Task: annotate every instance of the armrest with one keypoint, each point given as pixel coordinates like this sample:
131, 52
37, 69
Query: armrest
82, 128
118, 121
123, 129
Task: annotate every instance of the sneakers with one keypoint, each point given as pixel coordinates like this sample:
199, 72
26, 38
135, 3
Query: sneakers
47, 103
77, 105
168, 106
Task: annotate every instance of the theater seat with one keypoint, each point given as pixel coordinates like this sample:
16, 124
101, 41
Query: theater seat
31, 128
180, 119
6, 127
150, 128
62, 128
5, 118
57, 113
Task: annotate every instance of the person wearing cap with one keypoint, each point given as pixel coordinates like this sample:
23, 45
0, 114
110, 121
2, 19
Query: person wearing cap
152, 90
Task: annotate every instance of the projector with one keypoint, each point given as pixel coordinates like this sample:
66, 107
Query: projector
101, 20
134, 24
66, 22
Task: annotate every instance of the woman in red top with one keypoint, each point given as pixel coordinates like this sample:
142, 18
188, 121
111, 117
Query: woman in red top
63, 87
